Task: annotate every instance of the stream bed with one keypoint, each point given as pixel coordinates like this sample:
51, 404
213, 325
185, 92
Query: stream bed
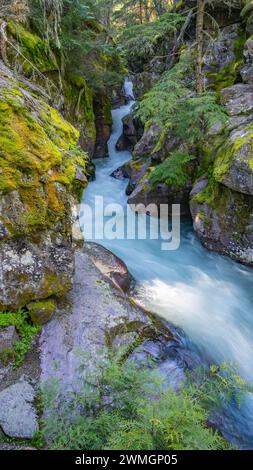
208, 296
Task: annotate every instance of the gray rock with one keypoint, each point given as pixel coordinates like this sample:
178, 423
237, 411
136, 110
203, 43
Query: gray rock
223, 221
199, 186
221, 51
233, 164
8, 337
238, 99
247, 69
17, 413
34, 268
98, 315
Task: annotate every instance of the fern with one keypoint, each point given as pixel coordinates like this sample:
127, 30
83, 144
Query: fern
172, 171
125, 407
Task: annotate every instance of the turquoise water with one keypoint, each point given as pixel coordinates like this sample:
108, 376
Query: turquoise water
208, 296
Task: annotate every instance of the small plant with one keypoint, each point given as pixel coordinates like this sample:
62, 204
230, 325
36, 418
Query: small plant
26, 332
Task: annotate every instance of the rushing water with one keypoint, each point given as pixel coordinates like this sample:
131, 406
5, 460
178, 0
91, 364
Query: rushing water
207, 295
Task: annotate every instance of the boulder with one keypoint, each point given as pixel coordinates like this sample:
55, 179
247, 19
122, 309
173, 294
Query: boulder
145, 194
238, 99
233, 165
18, 417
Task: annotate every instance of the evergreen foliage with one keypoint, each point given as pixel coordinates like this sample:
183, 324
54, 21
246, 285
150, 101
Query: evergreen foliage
121, 406
142, 40
172, 171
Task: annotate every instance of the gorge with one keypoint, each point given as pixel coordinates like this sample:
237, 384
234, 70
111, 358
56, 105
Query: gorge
113, 342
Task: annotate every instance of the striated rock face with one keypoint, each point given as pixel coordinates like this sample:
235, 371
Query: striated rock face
43, 172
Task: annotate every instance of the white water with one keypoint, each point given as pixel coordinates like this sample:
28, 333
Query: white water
207, 295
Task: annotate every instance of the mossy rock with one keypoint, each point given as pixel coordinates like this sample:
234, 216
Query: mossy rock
34, 51
233, 165
41, 312
222, 220
39, 156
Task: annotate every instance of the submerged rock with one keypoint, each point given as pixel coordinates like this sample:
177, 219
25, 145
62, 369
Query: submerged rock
17, 413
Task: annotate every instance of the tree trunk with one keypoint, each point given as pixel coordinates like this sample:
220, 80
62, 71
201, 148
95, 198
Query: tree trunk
199, 39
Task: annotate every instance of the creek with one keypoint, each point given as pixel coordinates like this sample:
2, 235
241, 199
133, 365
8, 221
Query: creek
207, 296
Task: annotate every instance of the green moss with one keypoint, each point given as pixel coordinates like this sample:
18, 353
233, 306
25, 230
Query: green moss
229, 151
32, 48
247, 8
41, 312
228, 75
79, 107
35, 155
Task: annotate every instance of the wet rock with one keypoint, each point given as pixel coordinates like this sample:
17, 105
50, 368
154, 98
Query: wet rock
238, 99
120, 173
132, 132
110, 265
17, 413
8, 337
145, 194
41, 312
